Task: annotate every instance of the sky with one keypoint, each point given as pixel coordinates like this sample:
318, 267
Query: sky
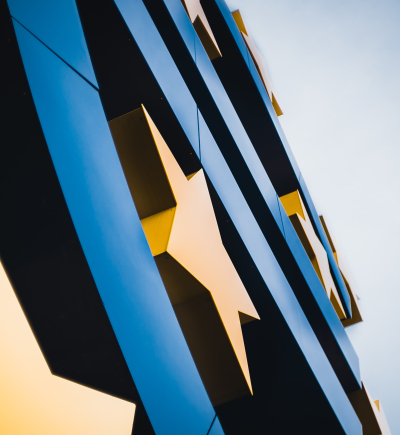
335, 69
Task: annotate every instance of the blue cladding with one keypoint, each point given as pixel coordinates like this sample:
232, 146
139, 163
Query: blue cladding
224, 105
256, 77
334, 267
216, 428
220, 100
161, 64
57, 25
320, 296
246, 225
170, 80
114, 244
236, 129
239, 41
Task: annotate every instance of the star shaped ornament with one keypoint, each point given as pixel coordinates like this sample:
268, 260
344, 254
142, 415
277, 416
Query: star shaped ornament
208, 297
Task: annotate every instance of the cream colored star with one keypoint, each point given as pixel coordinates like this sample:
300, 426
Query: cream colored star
178, 218
297, 213
32, 400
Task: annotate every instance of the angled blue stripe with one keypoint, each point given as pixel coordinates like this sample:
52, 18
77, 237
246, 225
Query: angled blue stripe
263, 94
134, 15
265, 261
114, 243
166, 73
216, 428
57, 25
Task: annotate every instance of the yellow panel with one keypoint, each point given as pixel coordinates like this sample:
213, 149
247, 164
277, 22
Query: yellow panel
33, 401
258, 61
202, 27
158, 229
196, 267
292, 203
276, 106
206, 39
237, 16
294, 207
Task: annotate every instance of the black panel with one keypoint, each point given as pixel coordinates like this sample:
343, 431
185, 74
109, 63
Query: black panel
40, 250
287, 397
232, 69
244, 178
125, 79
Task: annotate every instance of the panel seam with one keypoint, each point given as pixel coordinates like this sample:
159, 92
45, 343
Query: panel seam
211, 425
66, 63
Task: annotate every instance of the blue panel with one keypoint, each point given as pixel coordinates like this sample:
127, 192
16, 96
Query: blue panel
320, 296
236, 129
338, 276
246, 225
256, 77
170, 80
216, 428
180, 16
163, 67
114, 244
57, 25
233, 28
224, 106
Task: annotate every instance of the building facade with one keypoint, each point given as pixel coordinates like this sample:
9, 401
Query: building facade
164, 269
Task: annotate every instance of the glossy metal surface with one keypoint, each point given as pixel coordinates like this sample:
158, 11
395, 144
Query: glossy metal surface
114, 243
266, 263
223, 123
220, 7
161, 64
220, 176
57, 25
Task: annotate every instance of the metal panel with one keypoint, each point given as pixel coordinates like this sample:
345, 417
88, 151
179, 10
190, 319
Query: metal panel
235, 127
113, 241
230, 22
219, 6
348, 374
162, 66
241, 157
216, 428
57, 25
246, 225
344, 294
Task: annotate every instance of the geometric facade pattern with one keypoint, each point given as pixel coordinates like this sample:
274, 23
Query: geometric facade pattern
164, 263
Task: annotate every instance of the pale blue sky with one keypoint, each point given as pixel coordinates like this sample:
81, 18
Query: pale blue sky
335, 67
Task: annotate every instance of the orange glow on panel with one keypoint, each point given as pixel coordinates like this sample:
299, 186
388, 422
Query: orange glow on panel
32, 400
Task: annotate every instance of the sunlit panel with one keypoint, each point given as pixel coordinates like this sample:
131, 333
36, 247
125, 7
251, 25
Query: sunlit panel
32, 400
